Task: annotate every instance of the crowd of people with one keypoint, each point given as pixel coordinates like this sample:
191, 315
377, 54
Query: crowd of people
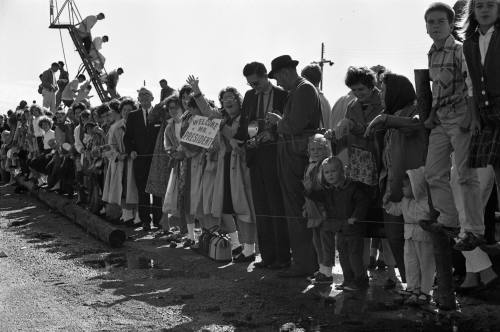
288, 176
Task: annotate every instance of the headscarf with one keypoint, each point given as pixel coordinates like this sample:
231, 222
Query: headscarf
399, 93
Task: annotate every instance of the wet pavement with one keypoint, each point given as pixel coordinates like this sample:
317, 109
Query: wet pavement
147, 285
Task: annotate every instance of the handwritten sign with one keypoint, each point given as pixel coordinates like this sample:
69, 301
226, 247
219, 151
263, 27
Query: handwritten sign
201, 131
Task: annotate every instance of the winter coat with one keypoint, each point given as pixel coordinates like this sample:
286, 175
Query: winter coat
241, 191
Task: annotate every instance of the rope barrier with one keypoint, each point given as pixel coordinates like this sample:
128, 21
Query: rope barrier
281, 141
297, 217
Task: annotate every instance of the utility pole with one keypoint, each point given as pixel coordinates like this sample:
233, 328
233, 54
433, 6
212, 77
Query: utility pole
321, 64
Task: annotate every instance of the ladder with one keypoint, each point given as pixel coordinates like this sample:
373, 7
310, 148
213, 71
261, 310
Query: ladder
74, 18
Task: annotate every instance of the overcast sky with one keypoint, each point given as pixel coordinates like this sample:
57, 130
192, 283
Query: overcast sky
213, 39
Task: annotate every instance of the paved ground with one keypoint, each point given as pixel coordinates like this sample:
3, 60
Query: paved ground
57, 278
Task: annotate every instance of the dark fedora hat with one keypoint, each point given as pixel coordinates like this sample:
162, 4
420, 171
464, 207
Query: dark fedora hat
284, 61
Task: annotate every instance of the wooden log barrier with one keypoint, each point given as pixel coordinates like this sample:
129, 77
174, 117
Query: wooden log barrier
85, 219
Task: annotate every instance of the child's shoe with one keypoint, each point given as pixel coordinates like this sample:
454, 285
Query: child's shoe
241, 258
423, 299
340, 286
188, 243
381, 266
389, 284
412, 300
405, 292
321, 279
314, 276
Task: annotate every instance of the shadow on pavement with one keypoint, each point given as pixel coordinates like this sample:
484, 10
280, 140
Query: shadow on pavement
206, 294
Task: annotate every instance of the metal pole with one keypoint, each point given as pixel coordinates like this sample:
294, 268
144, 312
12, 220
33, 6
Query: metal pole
51, 12
321, 64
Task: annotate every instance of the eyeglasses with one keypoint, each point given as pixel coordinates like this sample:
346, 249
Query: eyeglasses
228, 99
253, 84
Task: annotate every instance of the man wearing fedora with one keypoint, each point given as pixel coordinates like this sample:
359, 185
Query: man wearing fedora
139, 140
301, 118
272, 230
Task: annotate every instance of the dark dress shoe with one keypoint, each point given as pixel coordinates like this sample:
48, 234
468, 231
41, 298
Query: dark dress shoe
279, 265
146, 228
19, 190
115, 221
236, 251
188, 243
447, 306
389, 284
341, 286
130, 223
244, 259
292, 273
262, 265
466, 290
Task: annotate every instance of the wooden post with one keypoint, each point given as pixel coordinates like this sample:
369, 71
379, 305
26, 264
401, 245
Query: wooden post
88, 221
424, 92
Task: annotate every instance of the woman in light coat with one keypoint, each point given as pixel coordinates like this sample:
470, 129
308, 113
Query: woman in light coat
113, 186
130, 196
232, 195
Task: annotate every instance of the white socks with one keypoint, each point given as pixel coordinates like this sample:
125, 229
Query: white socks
235, 242
248, 249
137, 220
127, 214
326, 270
190, 229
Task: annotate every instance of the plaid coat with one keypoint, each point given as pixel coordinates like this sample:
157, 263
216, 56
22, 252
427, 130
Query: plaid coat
485, 148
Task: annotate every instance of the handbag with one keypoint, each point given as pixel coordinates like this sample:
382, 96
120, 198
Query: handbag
220, 249
362, 166
215, 245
